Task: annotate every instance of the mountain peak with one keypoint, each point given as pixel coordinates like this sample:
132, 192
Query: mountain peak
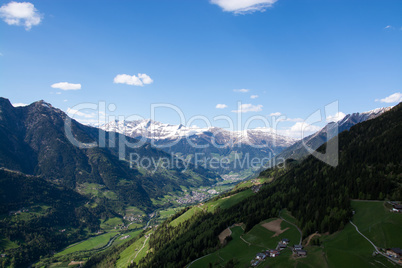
4, 102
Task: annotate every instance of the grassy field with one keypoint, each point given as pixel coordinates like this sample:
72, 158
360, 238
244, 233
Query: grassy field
258, 239
223, 203
349, 249
135, 211
91, 243
227, 202
165, 214
98, 190
346, 248
187, 215
249, 183
135, 226
132, 235
134, 252
384, 229
111, 223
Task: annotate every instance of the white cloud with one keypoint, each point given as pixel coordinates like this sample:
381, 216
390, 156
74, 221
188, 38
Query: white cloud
74, 112
145, 79
299, 130
243, 6
293, 120
275, 114
58, 93
336, 117
23, 13
282, 118
396, 97
243, 90
66, 86
133, 80
388, 27
254, 96
19, 104
247, 107
65, 100
221, 106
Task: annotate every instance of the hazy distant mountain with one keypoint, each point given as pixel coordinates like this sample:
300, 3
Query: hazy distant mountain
193, 143
33, 141
298, 150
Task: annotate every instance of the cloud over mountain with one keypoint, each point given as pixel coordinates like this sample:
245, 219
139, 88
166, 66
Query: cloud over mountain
396, 97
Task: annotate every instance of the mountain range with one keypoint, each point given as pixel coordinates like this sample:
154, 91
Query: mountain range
195, 144
34, 142
298, 150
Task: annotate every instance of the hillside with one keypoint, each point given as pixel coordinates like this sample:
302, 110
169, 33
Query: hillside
317, 195
33, 211
298, 151
34, 141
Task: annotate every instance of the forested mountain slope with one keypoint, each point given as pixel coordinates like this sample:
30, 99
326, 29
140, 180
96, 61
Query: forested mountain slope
33, 213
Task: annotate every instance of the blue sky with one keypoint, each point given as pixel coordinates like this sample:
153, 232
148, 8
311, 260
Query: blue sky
296, 56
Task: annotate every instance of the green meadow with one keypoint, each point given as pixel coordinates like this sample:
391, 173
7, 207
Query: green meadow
211, 206
134, 252
89, 244
244, 247
346, 248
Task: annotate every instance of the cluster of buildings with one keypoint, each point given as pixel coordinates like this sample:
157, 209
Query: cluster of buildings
299, 251
396, 207
125, 237
134, 218
272, 253
395, 253
212, 191
194, 197
16, 212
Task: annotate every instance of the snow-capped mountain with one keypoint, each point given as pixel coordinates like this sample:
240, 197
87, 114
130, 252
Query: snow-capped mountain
159, 131
298, 150
194, 143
